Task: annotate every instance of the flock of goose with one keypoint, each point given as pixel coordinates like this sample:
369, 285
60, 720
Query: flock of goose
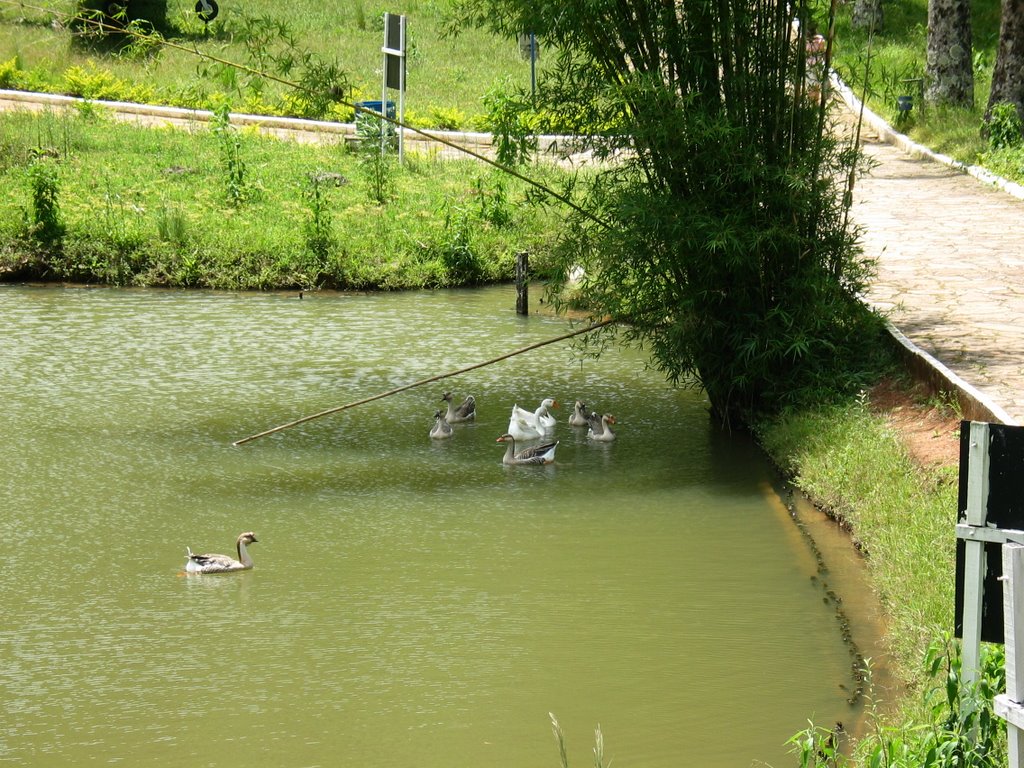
524, 425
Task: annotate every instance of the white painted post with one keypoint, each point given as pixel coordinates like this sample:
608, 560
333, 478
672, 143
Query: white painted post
974, 551
401, 99
1008, 706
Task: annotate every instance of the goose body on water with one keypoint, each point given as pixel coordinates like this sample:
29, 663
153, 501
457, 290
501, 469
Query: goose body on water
527, 425
222, 563
600, 428
464, 412
579, 415
523, 429
535, 454
442, 428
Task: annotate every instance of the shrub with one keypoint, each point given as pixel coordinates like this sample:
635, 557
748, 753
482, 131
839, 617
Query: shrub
9, 73
1005, 127
447, 118
45, 226
92, 82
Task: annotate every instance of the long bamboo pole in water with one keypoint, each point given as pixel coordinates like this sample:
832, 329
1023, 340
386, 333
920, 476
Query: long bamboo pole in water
421, 382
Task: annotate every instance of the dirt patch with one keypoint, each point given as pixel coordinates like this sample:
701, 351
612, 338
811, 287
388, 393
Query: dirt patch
930, 428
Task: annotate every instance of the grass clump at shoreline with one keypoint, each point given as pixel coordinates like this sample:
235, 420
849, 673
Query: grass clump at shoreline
90, 199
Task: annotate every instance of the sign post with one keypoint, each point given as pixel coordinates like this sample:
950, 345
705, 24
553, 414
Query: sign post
974, 550
1009, 705
394, 74
990, 551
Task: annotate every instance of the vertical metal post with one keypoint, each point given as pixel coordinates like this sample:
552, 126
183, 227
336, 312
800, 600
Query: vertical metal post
384, 91
523, 283
533, 66
1013, 612
974, 551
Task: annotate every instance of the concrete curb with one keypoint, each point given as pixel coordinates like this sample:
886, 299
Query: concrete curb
974, 405
546, 143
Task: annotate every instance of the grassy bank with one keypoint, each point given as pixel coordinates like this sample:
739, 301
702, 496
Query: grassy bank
853, 462
90, 199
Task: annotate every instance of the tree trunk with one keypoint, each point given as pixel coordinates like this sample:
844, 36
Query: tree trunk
949, 73
1008, 76
867, 14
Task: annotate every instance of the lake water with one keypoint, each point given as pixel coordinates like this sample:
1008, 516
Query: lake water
414, 602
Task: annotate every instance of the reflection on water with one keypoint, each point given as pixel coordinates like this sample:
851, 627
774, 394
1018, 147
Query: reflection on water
413, 601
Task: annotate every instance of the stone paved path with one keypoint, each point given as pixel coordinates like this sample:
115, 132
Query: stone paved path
950, 251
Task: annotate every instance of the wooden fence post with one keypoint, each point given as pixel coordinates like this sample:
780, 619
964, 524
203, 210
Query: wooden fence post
523, 283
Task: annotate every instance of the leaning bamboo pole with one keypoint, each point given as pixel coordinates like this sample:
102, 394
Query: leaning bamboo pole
421, 382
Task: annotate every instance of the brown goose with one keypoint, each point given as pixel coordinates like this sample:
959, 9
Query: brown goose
600, 429
535, 454
442, 428
464, 412
222, 563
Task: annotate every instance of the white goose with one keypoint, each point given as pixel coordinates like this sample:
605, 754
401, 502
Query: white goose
535, 454
222, 563
524, 425
464, 412
600, 429
521, 428
579, 415
442, 428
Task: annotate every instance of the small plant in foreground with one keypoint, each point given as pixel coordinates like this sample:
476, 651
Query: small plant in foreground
964, 731
563, 756
171, 225
457, 254
378, 168
318, 228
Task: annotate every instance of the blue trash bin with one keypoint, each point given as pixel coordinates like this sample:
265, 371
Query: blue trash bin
369, 126
376, 107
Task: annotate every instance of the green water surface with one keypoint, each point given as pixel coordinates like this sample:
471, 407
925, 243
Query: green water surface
414, 602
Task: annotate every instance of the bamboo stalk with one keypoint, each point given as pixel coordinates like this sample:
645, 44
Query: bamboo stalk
428, 380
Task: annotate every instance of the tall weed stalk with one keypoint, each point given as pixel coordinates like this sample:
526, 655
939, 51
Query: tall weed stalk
563, 754
378, 169
232, 162
318, 228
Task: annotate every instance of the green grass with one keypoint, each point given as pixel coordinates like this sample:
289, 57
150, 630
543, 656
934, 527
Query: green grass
446, 76
155, 207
